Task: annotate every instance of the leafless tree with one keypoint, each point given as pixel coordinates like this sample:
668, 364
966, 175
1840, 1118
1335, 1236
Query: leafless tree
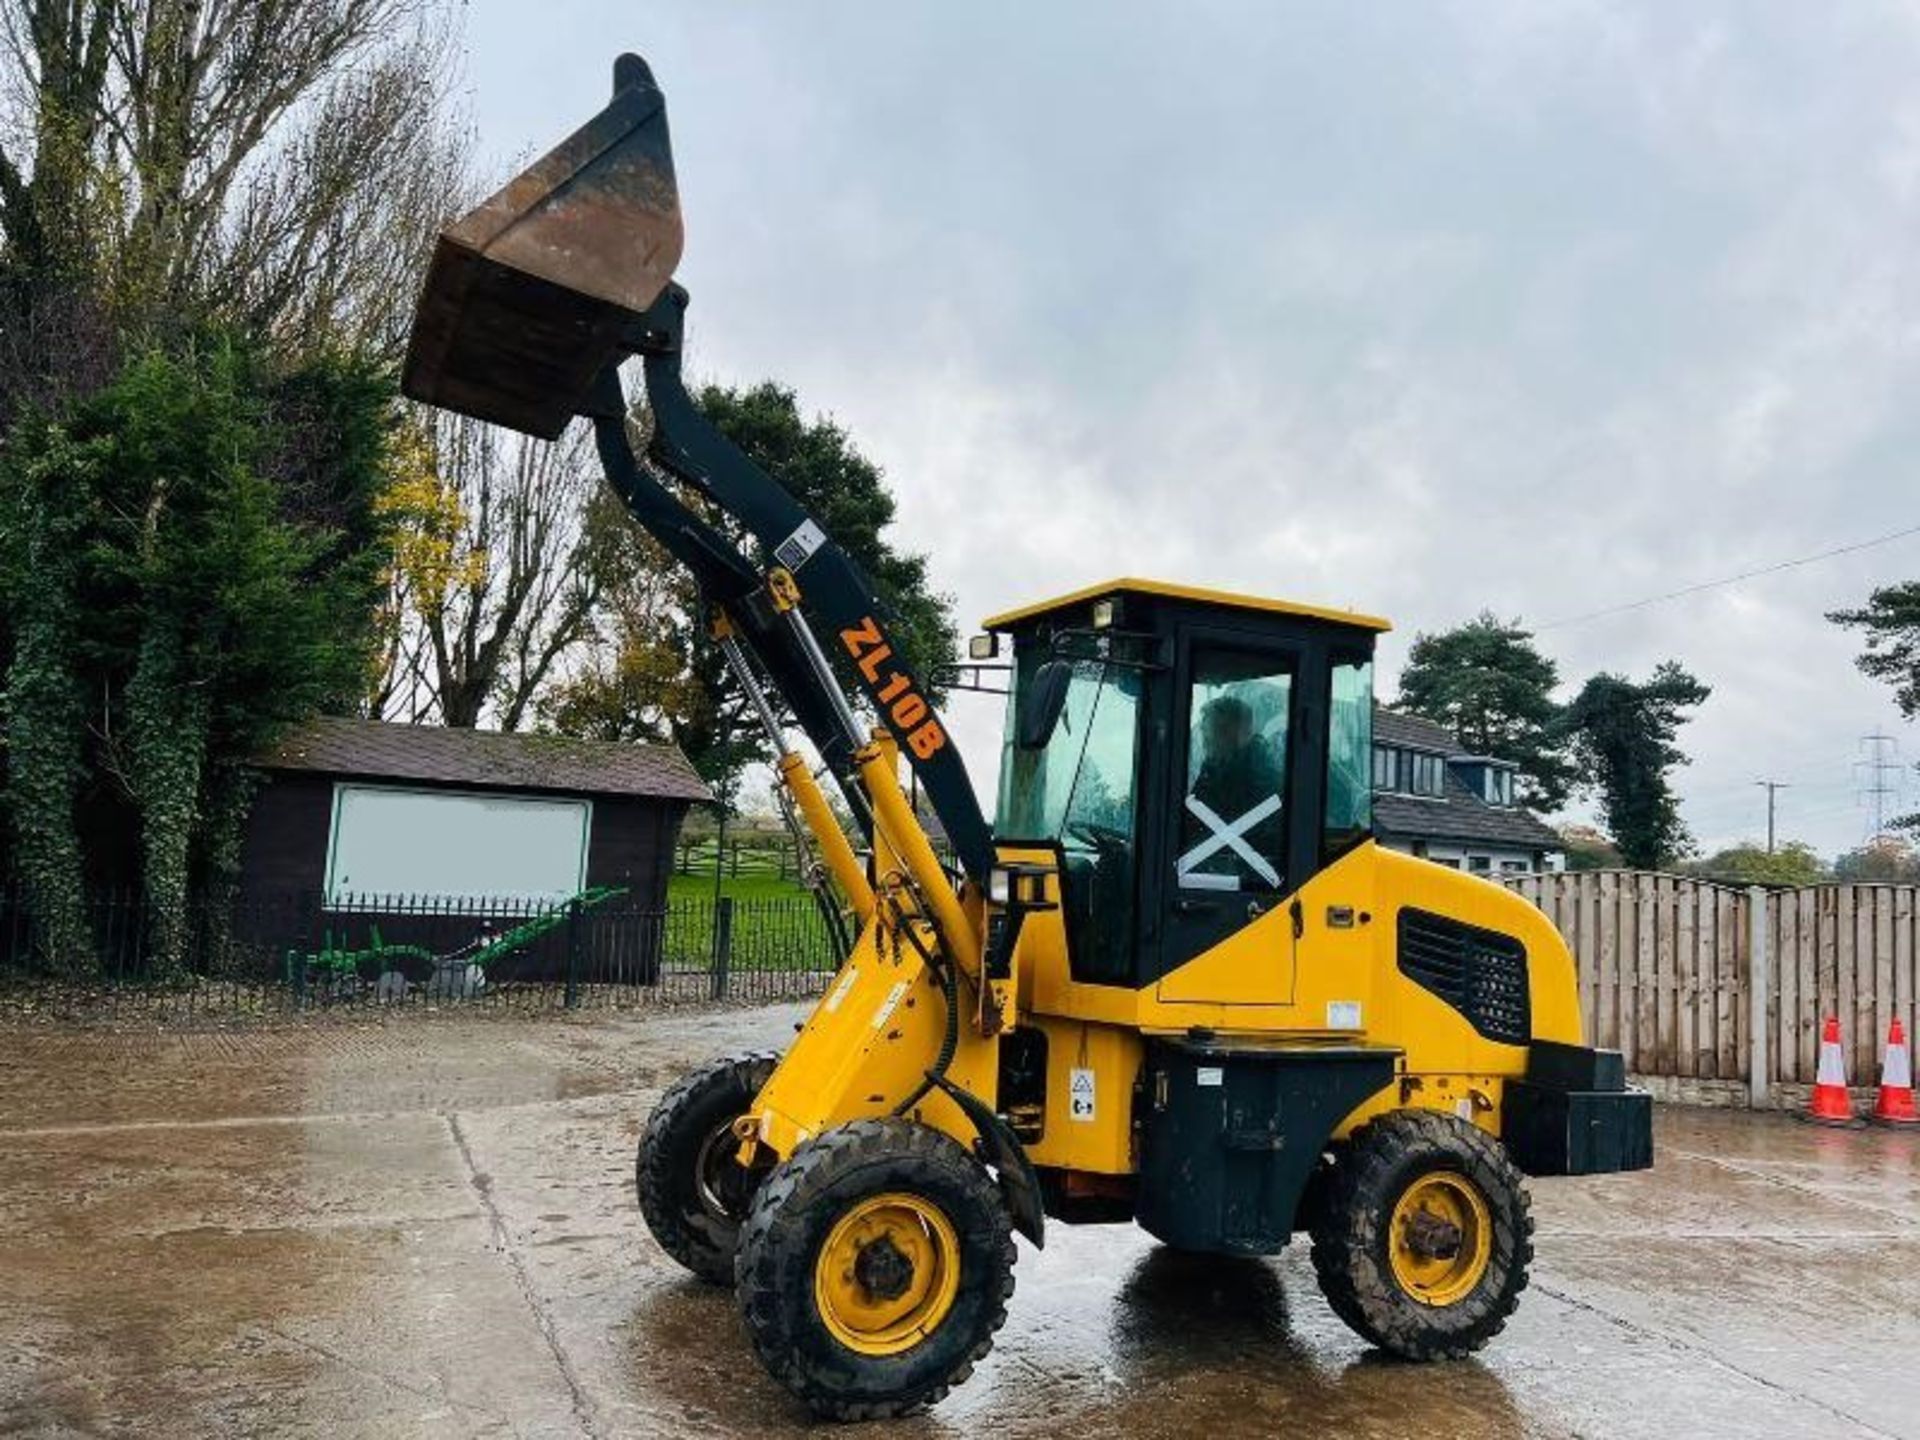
281, 162
500, 563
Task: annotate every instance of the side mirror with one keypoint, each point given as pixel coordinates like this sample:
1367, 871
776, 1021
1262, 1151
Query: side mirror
1040, 711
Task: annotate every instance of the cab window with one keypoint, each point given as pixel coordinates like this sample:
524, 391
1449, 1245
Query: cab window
1233, 831
1350, 757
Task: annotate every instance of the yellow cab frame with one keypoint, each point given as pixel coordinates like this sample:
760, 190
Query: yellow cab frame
1090, 972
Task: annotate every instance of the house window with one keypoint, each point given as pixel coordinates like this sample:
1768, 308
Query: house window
1499, 787
1428, 773
1386, 768
1480, 864
1515, 867
1412, 772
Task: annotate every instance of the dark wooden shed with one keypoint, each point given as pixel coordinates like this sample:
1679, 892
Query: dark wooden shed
370, 808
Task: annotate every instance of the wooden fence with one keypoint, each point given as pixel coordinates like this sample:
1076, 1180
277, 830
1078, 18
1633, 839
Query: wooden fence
769, 857
1668, 966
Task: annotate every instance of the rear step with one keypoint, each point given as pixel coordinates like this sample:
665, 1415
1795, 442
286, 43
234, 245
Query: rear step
530, 293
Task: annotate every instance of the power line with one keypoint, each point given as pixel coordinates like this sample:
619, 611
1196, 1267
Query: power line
1773, 569
1726, 816
1831, 778
1711, 833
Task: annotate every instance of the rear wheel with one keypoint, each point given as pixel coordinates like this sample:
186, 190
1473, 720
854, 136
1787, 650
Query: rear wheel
693, 1191
1423, 1235
874, 1269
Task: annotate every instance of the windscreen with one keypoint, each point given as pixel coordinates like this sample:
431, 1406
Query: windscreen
1083, 778
1078, 791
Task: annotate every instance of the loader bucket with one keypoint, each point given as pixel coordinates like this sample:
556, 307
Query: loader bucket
529, 293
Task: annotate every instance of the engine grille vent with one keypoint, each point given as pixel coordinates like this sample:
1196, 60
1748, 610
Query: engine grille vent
1480, 973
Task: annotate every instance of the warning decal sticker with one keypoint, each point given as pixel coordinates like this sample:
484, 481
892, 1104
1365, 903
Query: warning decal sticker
1080, 1089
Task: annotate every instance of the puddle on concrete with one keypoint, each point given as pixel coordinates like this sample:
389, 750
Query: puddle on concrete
430, 1230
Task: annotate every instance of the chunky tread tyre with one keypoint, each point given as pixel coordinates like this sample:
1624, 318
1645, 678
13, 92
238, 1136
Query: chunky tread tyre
1350, 1235
664, 1166
792, 1215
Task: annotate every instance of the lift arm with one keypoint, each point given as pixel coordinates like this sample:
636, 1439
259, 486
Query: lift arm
686, 444
767, 617
728, 583
533, 302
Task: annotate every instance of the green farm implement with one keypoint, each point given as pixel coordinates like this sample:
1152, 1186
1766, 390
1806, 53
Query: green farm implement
463, 972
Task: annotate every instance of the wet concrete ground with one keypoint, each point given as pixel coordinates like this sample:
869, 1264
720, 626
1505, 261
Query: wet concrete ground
429, 1229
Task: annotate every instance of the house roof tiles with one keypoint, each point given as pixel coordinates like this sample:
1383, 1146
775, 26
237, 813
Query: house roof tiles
1458, 814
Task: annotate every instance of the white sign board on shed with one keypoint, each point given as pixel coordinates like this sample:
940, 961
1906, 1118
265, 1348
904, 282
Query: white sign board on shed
392, 841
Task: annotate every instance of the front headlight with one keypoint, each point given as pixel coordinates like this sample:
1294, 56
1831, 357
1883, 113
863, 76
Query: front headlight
999, 886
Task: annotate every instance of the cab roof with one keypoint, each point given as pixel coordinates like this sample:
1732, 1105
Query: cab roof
1194, 594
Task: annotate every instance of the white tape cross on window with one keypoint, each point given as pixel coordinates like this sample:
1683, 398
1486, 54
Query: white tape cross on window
1226, 836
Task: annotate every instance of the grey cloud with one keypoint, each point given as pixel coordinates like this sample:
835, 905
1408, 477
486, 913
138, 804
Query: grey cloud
1422, 309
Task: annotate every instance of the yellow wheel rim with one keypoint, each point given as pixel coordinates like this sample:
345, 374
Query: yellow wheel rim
887, 1274
1440, 1238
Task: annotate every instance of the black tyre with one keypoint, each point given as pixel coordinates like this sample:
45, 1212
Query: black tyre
693, 1191
1313, 1196
1423, 1235
874, 1269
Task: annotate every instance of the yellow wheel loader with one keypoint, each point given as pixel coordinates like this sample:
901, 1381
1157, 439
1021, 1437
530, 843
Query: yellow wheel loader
1173, 983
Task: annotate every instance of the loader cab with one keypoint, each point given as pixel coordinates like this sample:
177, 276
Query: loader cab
1191, 757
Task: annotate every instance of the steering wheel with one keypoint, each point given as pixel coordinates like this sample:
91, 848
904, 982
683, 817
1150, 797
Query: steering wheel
1107, 839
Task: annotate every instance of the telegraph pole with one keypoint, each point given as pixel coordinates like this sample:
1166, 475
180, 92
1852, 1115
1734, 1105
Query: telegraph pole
1772, 787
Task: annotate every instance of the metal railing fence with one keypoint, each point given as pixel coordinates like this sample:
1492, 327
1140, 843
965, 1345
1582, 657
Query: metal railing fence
298, 951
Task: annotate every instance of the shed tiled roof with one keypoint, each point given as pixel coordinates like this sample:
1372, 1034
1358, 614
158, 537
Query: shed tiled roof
487, 759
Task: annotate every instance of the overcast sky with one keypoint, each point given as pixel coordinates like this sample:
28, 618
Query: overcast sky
1420, 309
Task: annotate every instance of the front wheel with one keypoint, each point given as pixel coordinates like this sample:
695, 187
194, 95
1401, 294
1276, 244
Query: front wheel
693, 1190
1423, 1235
874, 1269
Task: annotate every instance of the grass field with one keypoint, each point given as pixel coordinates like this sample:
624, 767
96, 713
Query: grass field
776, 925
738, 887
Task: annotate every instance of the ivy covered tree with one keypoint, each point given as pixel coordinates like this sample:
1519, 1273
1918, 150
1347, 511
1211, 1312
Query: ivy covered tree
190, 562
653, 673
1623, 735
211, 221
47, 480
1489, 684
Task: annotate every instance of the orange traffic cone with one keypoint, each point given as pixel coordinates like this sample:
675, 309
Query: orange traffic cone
1831, 1103
1895, 1105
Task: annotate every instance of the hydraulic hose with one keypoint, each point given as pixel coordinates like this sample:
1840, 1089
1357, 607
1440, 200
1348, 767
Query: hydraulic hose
950, 992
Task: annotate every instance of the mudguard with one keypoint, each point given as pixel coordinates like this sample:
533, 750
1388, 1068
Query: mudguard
1006, 1154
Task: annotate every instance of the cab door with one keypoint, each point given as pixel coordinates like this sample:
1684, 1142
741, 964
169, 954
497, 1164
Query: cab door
1229, 801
